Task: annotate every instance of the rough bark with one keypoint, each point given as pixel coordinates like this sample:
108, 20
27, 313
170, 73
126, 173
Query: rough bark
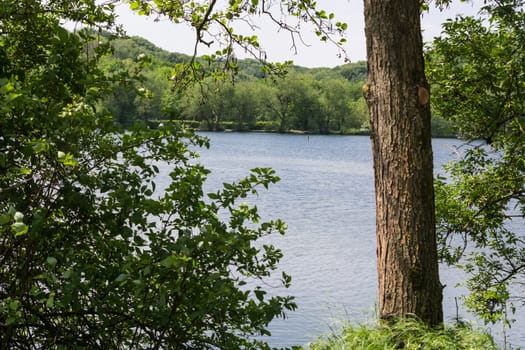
398, 99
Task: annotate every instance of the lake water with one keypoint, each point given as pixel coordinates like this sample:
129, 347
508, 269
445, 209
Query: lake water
326, 196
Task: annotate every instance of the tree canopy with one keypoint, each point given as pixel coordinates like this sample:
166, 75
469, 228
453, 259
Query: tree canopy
337, 107
93, 253
477, 68
246, 103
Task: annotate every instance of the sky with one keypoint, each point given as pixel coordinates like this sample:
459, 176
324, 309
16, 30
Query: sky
278, 44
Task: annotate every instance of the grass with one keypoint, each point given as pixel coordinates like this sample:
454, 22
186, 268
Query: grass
406, 334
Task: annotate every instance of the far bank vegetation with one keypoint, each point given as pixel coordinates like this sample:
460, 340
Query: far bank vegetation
310, 100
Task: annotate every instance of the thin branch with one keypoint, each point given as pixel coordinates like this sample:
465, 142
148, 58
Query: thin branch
200, 27
511, 274
487, 204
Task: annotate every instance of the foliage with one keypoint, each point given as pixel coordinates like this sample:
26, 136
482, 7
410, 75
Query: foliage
297, 101
442, 127
132, 47
478, 71
245, 108
353, 72
407, 333
327, 100
213, 23
94, 253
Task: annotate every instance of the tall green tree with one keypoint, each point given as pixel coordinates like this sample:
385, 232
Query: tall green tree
93, 254
210, 101
247, 104
306, 110
336, 109
477, 68
280, 102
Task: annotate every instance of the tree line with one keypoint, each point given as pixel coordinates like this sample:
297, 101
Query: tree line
315, 100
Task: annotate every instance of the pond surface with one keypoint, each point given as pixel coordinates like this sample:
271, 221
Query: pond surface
326, 196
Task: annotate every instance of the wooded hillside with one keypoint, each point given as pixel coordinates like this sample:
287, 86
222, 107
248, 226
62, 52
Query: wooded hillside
315, 100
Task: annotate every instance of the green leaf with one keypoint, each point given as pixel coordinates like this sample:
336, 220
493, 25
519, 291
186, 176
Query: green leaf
19, 228
5, 219
259, 294
14, 305
213, 196
122, 277
39, 146
25, 171
51, 261
11, 320
169, 261
67, 159
50, 302
11, 211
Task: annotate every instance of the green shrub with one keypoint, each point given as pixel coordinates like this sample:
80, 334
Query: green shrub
406, 334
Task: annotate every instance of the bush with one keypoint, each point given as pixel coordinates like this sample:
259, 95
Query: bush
94, 254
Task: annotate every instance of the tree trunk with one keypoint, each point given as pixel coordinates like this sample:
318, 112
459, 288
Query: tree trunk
398, 101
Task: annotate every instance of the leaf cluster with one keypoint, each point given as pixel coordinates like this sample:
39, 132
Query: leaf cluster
229, 26
478, 72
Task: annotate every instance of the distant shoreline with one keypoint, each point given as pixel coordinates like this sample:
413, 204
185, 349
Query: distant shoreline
351, 132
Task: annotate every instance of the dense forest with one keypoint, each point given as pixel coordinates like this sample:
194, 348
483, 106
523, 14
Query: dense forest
314, 100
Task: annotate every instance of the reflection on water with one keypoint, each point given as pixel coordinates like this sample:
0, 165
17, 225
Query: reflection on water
326, 196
